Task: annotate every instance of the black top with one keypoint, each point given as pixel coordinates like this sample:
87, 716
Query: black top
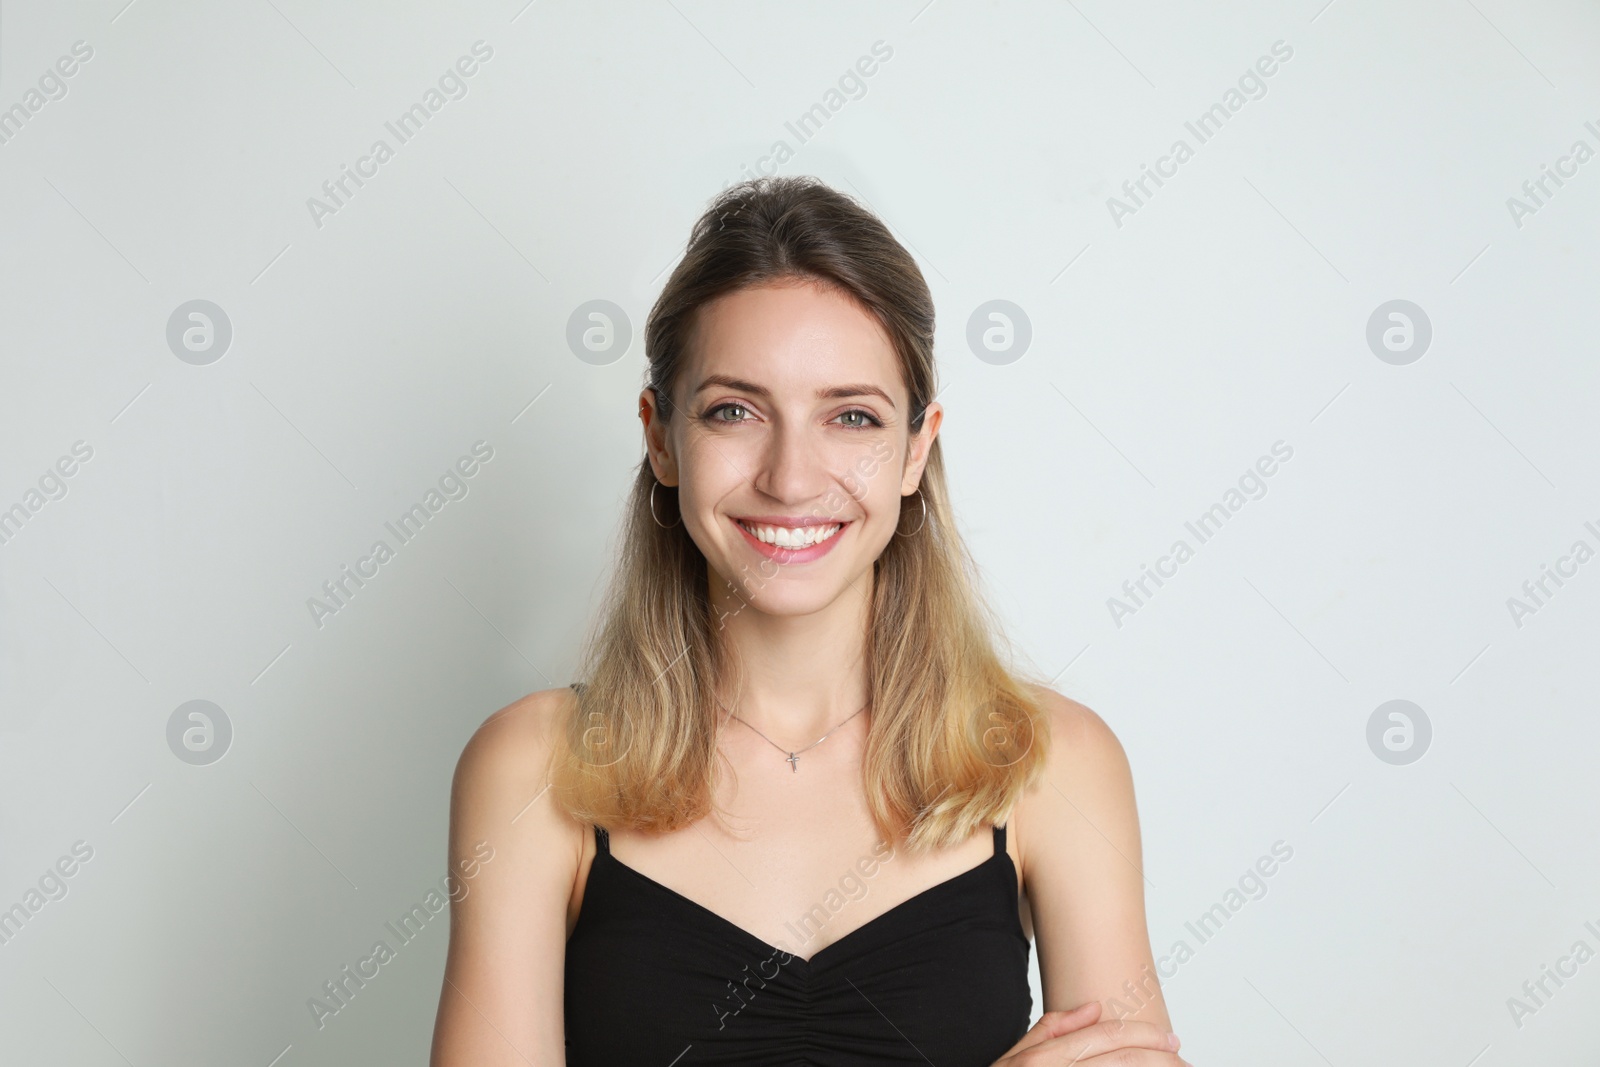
653, 978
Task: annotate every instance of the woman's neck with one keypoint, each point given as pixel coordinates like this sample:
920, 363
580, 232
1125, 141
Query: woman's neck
803, 672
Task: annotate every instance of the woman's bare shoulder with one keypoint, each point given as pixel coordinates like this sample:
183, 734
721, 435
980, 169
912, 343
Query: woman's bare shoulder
516, 740
504, 766
1081, 741
1083, 865
517, 853
1086, 783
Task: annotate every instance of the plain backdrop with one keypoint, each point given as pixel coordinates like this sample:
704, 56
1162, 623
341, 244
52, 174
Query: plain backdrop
1441, 461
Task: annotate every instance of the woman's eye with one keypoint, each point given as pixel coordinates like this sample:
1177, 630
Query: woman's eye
867, 420
854, 419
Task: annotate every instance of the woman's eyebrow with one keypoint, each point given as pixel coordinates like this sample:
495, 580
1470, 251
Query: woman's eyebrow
834, 392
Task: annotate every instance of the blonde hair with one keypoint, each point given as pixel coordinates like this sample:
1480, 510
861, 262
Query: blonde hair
954, 735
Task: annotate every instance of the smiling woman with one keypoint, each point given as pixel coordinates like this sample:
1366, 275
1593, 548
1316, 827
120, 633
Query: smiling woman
790, 670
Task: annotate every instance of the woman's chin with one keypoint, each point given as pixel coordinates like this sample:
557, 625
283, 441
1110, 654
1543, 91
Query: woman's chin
783, 596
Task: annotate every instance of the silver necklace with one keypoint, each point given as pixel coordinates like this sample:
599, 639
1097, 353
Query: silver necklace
793, 757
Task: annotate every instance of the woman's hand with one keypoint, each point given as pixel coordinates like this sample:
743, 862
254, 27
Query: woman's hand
1074, 1037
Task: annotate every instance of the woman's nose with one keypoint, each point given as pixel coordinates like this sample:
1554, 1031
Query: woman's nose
793, 465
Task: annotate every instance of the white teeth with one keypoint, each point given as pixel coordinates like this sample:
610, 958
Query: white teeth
787, 537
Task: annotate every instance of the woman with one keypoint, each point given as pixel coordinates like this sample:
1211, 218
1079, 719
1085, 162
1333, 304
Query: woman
798, 811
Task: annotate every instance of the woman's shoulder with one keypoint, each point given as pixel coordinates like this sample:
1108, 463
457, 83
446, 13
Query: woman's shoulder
511, 747
1085, 762
1082, 802
1078, 734
521, 852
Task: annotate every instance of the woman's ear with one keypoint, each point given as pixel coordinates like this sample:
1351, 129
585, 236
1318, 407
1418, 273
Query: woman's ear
657, 441
921, 445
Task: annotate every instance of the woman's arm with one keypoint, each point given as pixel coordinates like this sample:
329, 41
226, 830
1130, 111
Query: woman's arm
501, 1001
1083, 872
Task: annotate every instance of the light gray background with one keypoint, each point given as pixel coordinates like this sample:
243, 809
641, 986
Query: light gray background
1168, 353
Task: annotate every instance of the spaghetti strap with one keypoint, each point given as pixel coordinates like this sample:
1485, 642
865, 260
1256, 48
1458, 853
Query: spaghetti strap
602, 839
999, 840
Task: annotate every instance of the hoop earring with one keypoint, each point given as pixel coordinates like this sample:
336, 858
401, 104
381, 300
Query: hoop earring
663, 525
924, 521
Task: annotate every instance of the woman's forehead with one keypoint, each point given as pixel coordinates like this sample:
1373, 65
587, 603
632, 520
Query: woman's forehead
789, 337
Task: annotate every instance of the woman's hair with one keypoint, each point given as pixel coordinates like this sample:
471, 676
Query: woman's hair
955, 736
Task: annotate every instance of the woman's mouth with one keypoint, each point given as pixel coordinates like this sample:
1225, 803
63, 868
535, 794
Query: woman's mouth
791, 544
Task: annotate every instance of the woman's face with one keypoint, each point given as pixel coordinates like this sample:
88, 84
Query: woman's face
790, 445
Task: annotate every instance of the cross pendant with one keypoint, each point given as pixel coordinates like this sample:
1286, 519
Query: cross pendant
794, 762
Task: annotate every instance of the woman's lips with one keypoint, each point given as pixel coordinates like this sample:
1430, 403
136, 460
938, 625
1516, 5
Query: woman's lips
780, 554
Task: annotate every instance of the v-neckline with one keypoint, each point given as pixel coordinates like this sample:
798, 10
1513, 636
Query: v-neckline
806, 963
